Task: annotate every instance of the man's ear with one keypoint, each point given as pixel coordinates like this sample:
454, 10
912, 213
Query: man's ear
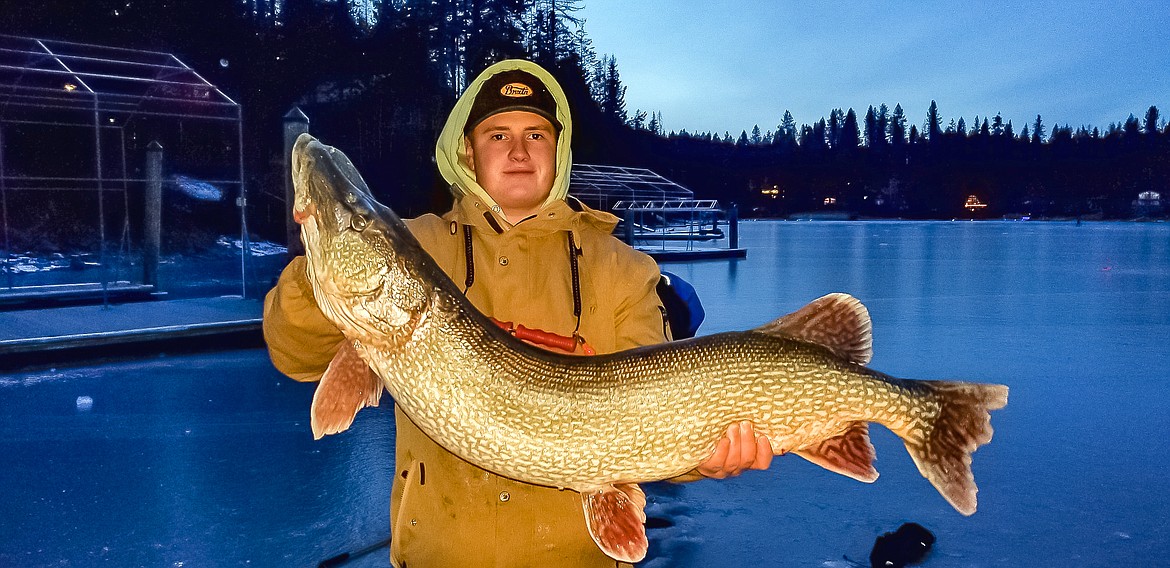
467, 150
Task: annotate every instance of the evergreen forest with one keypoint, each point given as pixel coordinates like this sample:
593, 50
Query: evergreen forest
377, 78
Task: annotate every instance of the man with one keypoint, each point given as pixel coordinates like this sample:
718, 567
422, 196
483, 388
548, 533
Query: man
524, 252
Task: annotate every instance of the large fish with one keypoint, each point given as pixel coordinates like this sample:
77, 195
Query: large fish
601, 425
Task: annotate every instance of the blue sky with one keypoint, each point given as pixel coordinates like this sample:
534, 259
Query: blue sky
725, 65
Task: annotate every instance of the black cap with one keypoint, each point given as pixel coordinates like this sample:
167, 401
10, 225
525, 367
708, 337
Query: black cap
509, 91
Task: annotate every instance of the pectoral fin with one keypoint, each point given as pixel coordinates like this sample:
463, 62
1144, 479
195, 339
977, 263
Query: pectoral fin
615, 516
850, 454
347, 386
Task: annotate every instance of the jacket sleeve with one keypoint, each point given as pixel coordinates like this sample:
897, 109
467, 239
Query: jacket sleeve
301, 341
641, 318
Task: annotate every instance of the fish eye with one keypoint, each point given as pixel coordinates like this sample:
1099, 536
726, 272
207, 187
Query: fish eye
359, 222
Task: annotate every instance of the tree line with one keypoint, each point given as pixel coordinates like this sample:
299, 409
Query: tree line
882, 167
378, 77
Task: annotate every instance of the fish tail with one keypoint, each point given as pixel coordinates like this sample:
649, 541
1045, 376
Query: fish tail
942, 451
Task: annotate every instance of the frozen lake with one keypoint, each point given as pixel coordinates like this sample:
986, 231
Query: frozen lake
207, 460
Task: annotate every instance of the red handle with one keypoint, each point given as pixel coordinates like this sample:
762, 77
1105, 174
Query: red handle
546, 338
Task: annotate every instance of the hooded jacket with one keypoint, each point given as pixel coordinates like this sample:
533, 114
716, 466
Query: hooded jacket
446, 511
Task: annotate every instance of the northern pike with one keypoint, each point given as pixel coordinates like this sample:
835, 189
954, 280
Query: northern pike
600, 425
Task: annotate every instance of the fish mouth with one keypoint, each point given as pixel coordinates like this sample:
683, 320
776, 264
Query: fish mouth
301, 217
327, 185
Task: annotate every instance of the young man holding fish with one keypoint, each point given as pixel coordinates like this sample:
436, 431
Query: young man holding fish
526, 253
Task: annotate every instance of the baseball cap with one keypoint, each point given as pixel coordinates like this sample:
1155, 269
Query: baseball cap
509, 91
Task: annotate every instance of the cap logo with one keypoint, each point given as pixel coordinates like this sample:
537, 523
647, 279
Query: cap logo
516, 90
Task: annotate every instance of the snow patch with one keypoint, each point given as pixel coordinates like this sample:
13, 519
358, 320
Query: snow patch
196, 189
257, 248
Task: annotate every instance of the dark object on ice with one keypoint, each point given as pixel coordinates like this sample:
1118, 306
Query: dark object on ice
345, 557
658, 523
907, 545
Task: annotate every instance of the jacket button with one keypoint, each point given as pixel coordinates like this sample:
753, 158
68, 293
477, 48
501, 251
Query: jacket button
503, 261
504, 496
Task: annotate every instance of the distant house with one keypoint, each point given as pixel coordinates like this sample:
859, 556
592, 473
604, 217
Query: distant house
973, 203
1148, 204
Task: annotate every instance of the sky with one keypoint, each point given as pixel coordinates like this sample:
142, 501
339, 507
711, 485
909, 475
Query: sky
726, 66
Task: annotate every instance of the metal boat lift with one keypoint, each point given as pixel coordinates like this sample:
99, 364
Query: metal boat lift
659, 216
102, 93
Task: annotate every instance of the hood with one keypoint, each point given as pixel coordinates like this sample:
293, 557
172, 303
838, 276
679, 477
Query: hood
449, 150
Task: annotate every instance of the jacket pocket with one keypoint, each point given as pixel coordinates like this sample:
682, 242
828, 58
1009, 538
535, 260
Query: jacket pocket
411, 480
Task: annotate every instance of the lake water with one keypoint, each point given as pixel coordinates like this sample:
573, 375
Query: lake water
207, 460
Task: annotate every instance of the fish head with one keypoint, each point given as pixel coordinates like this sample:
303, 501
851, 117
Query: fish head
360, 254
334, 207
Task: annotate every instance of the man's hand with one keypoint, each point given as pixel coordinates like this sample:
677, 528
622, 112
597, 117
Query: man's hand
739, 450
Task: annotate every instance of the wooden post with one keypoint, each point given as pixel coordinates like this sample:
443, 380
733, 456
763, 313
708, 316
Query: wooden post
295, 124
152, 218
733, 226
629, 218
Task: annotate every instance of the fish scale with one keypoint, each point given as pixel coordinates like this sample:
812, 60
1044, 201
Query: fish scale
520, 395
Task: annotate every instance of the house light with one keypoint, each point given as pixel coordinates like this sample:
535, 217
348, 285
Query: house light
973, 203
70, 86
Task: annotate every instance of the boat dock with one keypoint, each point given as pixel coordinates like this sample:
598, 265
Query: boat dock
40, 336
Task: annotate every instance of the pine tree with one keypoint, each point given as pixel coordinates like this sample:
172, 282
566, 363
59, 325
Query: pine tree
871, 128
1151, 121
364, 14
850, 135
834, 133
786, 132
1038, 130
1131, 127
933, 123
613, 94
961, 129
756, 139
883, 126
819, 137
553, 31
898, 126
638, 121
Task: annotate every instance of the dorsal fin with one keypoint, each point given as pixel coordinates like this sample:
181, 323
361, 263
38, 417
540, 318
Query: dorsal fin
837, 322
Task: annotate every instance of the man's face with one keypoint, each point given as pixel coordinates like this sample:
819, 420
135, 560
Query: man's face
514, 157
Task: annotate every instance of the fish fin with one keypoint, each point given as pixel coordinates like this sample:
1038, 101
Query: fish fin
347, 386
943, 452
615, 516
838, 322
850, 454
